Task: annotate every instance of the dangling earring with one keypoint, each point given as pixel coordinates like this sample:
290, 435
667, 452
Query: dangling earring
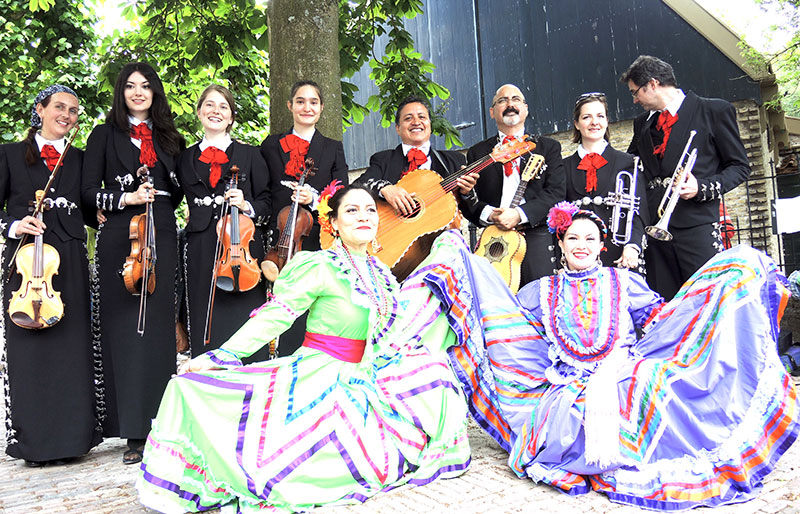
563, 261
376, 246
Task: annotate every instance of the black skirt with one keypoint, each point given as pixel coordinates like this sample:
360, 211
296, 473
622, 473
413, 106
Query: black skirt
51, 406
137, 368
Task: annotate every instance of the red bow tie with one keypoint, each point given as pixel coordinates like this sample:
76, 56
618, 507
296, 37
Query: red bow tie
508, 167
664, 124
416, 158
147, 153
590, 164
214, 157
50, 156
297, 148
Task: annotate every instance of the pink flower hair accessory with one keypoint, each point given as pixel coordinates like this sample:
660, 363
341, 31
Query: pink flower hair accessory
559, 218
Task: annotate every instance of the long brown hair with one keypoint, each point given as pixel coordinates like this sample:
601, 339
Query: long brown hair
164, 130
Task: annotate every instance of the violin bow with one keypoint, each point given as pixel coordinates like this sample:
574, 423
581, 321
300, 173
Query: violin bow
39, 205
308, 170
149, 251
226, 207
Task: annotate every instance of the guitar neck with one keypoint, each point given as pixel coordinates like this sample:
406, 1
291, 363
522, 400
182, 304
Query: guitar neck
449, 182
518, 194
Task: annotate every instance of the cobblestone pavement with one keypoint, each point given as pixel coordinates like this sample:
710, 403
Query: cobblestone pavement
100, 483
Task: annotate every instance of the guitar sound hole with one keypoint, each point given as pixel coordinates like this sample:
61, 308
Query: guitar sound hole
497, 250
416, 213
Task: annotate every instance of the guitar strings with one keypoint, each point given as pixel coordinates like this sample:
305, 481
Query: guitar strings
390, 220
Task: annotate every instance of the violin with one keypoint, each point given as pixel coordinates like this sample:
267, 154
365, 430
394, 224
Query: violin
295, 224
36, 305
235, 269
139, 270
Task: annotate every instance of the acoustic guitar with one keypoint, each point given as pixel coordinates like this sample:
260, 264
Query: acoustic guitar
404, 241
505, 249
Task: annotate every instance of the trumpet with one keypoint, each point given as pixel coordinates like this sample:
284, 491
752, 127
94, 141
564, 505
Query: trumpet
626, 204
670, 199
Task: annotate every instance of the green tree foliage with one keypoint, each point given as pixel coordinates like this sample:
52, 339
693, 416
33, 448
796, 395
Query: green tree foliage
398, 70
784, 62
193, 43
43, 42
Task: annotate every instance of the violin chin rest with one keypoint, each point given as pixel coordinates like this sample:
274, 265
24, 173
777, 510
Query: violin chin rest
269, 270
225, 283
23, 320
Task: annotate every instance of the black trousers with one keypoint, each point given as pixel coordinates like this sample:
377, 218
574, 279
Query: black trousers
670, 264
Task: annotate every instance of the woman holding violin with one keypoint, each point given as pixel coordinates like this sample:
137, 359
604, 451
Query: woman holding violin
50, 402
218, 176
129, 171
286, 155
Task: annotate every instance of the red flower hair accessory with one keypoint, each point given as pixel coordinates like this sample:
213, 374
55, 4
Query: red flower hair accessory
560, 217
323, 209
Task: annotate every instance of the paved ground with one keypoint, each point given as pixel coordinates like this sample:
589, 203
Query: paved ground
100, 483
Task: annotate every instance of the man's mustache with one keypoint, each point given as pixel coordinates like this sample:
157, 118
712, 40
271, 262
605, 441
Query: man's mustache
510, 110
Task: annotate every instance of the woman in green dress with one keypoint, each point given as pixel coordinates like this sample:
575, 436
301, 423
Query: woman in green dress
361, 407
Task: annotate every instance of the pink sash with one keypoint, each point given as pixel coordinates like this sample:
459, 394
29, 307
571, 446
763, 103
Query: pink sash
341, 348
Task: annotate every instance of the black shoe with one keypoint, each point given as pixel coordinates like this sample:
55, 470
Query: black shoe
133, 456
62, 462
35, 463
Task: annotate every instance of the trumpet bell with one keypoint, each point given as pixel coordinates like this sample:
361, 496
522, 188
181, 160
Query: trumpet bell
659, 233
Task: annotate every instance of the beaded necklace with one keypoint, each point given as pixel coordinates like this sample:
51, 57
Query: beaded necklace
371, 294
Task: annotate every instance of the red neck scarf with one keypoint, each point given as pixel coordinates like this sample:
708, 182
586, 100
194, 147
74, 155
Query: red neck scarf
50, 155
508, 167
215, 158
664, 124
416, 158
147, 154
590, 163
297, 148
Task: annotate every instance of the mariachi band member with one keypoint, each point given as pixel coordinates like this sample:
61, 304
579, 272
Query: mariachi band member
285, 154
412, 122
204, 172
50, 396
139, 131
591, 174
660, 136
497, 184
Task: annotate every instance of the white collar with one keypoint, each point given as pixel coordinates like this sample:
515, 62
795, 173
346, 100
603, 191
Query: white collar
673, 105
58, 144
424, 147
309, 138
517, 135
221, 143
583, 152
133, 121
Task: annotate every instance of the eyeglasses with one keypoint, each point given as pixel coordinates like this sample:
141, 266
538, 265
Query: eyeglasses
596, 94
634, 93
503, 100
